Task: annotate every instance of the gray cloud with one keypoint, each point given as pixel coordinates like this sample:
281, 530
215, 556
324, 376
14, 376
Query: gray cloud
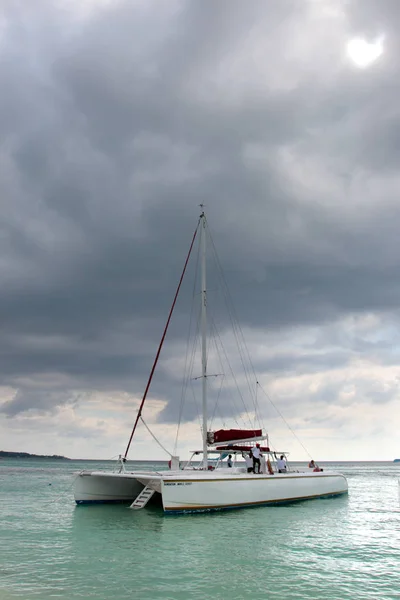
39, 401
115, 127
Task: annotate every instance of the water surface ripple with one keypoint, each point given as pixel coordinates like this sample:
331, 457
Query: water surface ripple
341, 548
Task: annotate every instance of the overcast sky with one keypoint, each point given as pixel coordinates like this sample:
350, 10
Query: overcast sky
117, 118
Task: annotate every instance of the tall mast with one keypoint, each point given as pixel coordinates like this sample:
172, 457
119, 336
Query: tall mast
204, 334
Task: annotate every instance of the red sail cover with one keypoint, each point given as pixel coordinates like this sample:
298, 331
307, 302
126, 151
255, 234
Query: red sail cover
230, 435
242, 448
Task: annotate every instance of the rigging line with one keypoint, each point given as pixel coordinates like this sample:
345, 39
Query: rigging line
216, 407
215, 349
189, 375
236, 326
222, 419
189, 379
223, 374
236, 409
196, 344
186, 368
196, 404
218, 410
154, 437
236, 329
231, 313
209, 350
162, 341
232, 413
257, 404
230, 368
216, 401
215, 334
283, 419
227, 294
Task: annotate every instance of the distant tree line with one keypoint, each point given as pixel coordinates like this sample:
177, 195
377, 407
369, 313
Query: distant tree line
4, 454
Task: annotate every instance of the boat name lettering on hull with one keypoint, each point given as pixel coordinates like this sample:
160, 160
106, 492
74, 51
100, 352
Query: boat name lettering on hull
180, 483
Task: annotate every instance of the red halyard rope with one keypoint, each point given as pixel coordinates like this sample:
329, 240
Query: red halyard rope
161, 343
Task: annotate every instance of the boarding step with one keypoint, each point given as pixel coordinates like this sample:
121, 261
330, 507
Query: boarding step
143, 498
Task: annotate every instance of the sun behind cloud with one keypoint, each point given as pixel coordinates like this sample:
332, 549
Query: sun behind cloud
364, 53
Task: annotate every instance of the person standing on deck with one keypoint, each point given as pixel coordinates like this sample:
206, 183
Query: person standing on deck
256, 458
229, 461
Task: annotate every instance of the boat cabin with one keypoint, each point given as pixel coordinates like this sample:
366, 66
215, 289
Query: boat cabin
217, 458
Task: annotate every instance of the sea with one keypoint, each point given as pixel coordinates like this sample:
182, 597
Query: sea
338, 548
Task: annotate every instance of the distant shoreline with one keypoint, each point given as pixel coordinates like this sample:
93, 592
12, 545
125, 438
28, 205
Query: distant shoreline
4, 454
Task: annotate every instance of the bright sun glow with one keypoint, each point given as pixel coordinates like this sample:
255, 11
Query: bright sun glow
364, 53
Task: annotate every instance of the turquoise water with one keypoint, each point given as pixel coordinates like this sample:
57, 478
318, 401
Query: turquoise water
339, 548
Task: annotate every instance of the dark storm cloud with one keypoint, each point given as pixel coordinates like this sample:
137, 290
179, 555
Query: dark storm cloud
114, 128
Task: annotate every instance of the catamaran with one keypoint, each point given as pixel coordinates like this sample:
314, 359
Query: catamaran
208, 481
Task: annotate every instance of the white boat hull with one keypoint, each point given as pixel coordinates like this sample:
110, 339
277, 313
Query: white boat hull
206, 492
198, 491
97, 487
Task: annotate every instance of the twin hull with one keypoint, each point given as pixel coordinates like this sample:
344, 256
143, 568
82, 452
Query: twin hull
203, 492
97, 487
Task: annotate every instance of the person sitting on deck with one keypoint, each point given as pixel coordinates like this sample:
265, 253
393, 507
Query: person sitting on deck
256, 458
281, 464
313, 465
229, 461
248, 458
